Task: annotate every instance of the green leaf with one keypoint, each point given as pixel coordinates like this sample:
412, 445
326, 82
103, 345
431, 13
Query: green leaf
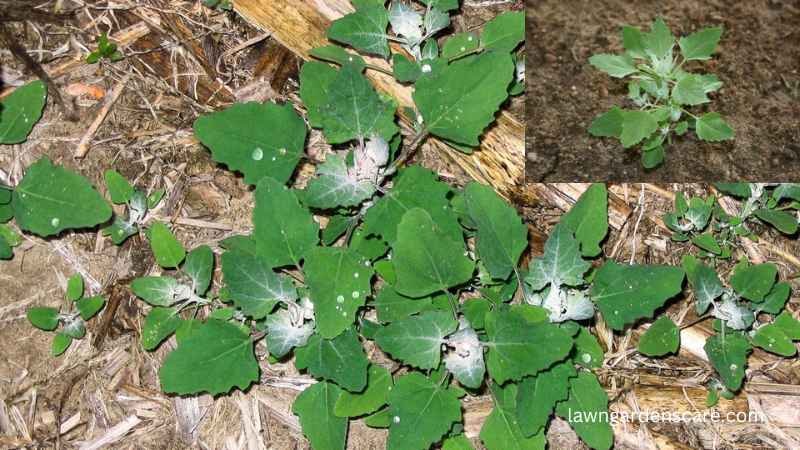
632, 41
459, 44
789, 325
617, 66
785, 222
608, 124
700, 45
379, 384
627, 293
88, 307
538, 395
588, 351
475, 310
652, 158
425, 258
728, 354
704, 282
421, 412
315, 406
258, 140
50, 199
215, 359
168, 251
754, 282
392, 306
461, 100
20, 111
380, 419
334, 186
413, 187
199, 266
777, 298
339, 280
284, 229
515, 346
659, 41
315, 79
501, 235
459, 442
771, 338
118, 187
740, 190
504, 32
75, 287
337, 55
156, 291
707, 242
417, 340
711, 127
405, 70
661, 338
61, 343
561, 263
690, 90
588, 219
159, 324
253, 286
43, 318
364, 30
502, 430
636, 125
585, 409
354, 109
285, 332
341, 360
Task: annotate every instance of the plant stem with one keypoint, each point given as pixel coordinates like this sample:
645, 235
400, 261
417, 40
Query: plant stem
379, 69
409, 150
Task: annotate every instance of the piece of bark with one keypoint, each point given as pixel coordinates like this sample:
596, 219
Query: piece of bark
301, 26
276, 64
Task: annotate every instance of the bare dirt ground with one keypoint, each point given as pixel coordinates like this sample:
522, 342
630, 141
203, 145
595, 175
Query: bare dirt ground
758, 60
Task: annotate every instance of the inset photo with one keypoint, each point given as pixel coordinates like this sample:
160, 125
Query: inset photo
669, 91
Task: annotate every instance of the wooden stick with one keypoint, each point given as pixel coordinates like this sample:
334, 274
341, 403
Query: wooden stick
83, 145
301, 26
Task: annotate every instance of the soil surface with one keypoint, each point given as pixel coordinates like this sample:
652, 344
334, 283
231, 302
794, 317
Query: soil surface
758, 60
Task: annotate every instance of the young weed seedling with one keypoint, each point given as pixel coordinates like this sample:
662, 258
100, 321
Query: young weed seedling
663, 93
105, 50
138, 204
68, 323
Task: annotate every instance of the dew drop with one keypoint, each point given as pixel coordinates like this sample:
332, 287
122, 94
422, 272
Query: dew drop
470, 38
273, 158
396, 419
355, 275
258, 153
734, 367
55, 221
282, 151
587, 358
426, 68
356, 294
340, 299
463, 49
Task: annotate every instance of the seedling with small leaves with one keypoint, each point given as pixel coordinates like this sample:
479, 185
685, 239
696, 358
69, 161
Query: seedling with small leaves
775, 204
138, 204
663, 94
105, 50
702, 222
69, 322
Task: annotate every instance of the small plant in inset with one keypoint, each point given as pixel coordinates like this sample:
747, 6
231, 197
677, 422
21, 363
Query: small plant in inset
663, 94
67, 322
776, 204
105, 50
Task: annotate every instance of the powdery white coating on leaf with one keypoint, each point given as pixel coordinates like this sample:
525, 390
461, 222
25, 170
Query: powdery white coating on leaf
406, 21
465, 358
286, 333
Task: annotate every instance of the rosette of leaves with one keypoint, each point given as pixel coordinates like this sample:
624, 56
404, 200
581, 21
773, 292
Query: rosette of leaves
664, 96
753, 289
69, 322
703, 223
105, 50
136, 202
776, 204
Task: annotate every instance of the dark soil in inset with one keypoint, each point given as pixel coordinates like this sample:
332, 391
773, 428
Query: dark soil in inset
758, 60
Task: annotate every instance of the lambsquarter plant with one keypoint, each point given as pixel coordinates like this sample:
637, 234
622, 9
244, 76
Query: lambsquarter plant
663, 94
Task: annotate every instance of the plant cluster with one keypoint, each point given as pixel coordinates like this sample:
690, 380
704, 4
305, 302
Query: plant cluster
661, 90
105, 50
